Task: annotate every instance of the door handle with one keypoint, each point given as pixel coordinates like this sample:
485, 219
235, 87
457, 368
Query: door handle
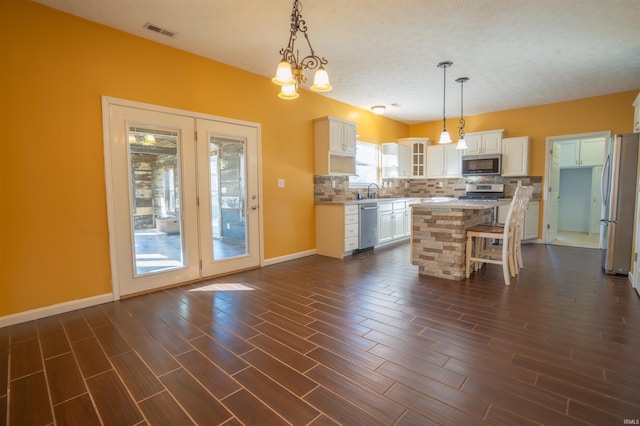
254, 207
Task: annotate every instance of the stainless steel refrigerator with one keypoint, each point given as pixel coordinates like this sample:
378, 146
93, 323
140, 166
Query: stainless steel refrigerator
619, 176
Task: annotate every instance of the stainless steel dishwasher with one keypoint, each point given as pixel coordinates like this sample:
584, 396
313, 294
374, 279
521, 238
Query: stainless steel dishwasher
368, 222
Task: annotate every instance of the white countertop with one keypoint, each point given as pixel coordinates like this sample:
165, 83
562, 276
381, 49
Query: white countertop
454, 203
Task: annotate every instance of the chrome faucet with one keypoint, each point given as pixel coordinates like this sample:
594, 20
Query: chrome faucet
369, 190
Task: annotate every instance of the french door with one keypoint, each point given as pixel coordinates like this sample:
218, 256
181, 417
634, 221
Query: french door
182, 193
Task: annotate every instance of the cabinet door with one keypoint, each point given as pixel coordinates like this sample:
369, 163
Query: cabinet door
398, 219
452, 161
531, 219
385, 232
473, 144
407, 222
418, 159
435, 161
336, 137
569, 153
349, 138
492, 143
515, 156
591, 152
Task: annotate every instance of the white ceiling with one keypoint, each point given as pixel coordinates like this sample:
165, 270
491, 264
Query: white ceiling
517, 53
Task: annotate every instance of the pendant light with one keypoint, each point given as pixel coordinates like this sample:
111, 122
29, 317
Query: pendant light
462, 143
444, 136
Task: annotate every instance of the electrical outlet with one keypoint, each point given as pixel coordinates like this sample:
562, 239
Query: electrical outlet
280, 183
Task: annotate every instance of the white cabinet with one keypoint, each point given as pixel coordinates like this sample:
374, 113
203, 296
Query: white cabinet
417, 155
489, 142
393, 221
515, 156
531, 219
588, 152
336, 229
335, 146
636, 116
444, 161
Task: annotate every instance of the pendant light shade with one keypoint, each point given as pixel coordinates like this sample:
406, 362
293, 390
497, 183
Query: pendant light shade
444, 136
321, 81
284, 76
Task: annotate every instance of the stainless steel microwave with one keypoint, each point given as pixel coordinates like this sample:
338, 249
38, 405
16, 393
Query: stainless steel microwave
481, 165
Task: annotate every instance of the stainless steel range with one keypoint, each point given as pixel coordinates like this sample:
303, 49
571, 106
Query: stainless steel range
483, 191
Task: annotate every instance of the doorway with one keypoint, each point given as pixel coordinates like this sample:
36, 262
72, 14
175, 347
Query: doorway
182, 192
574, 206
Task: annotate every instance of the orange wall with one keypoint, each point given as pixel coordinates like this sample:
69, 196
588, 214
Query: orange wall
54, 246
601, 113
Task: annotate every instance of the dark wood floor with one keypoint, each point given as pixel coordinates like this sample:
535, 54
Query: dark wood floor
363, 341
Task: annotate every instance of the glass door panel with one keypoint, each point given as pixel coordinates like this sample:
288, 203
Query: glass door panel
155, 200
228, 197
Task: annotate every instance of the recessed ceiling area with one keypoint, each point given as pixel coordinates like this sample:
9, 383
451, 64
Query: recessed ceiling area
385, 52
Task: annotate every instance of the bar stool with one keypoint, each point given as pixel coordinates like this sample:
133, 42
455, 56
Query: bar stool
480, 237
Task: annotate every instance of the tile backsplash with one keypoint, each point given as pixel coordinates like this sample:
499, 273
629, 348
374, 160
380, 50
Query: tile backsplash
336, 188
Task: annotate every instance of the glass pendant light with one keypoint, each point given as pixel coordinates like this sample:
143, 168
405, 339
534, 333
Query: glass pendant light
444, 136
462, 143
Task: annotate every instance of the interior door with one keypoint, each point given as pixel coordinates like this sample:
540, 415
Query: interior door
229, 203
151, 185
554, 193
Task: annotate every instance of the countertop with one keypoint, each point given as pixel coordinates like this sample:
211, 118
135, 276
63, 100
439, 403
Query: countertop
430, 203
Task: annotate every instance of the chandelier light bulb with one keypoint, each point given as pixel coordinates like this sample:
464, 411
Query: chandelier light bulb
284, 76
288, 92
321, 81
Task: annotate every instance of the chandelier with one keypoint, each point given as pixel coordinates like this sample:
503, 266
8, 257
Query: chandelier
290, 72
462, 143
444, 136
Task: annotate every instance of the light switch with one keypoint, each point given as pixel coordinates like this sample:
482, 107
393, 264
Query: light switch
280, 183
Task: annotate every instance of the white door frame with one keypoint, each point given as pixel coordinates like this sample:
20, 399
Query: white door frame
547, 172
111, 217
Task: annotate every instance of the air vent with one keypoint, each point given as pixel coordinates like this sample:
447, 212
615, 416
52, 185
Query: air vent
159, 30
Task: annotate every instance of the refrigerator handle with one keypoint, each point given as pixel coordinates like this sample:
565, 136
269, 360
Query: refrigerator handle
603, 174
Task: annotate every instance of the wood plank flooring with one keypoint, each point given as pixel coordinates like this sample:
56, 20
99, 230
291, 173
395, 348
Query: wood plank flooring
319, 341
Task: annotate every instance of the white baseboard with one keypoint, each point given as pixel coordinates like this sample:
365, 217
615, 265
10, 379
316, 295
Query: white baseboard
299, 255
54, 309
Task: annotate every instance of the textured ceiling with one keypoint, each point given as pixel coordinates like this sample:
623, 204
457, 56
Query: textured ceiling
517, 53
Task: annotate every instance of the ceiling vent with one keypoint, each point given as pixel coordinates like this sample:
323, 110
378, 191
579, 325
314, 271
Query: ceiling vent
159, 30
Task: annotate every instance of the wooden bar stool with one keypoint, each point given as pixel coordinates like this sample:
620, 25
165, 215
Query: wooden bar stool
479, 240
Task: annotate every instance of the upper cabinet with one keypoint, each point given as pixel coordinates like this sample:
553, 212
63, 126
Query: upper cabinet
636, 116
515, 156
489, 142
444, 161
335, 146
586, 152
417, 156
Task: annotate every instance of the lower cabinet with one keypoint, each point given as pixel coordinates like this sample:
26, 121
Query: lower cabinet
336, 229
337, 226
531, 219
393, 221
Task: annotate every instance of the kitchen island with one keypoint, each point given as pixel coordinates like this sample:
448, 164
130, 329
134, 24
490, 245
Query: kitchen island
439, 233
